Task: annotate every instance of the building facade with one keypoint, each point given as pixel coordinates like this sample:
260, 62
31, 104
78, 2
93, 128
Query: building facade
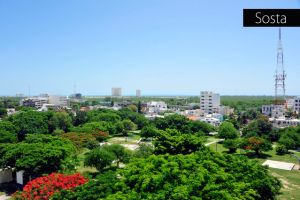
138, 93
209, 102
116, 92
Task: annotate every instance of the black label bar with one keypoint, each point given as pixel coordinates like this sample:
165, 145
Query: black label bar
271, 17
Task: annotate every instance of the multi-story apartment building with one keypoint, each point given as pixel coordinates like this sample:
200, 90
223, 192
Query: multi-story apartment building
209, 102
138, 93
116, 92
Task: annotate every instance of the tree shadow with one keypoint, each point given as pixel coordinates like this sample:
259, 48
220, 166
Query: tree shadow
9, 188
253, 155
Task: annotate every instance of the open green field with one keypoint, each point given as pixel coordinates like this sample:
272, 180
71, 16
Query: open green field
290, 179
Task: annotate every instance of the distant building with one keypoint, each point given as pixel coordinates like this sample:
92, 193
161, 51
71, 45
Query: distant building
284, 122
44, 101
211, 120
275, 111
209, 102
294, 104
156, 107
11, 111
225, 110
116, 92
35, 102
61, 101
138, 93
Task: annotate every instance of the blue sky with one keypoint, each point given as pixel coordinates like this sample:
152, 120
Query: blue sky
161, 47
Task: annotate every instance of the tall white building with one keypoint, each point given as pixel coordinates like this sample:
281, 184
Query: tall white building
116, 92
209, 102
138, 93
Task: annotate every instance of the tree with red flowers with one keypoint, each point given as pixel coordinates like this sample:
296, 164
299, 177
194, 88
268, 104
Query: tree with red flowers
43, 188
256, 144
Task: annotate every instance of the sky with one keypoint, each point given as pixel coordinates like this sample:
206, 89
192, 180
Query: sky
169, 47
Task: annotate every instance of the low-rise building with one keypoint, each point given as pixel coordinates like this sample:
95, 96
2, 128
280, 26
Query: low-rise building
156, 107
35, 102
284, 122
275, 111
211, 120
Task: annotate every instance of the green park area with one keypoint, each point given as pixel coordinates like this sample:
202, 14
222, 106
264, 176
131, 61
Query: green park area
109, 154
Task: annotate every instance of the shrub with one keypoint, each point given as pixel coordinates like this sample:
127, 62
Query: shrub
281, 149
43, 188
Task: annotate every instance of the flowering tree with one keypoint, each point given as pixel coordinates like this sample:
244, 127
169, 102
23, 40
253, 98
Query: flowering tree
256, 144
43, 188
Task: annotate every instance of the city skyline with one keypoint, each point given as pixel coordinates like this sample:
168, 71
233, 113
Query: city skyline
163, 48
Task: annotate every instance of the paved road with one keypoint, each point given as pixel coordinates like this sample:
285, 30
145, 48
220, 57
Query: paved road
219, 140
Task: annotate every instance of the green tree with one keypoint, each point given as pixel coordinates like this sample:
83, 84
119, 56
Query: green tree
37, 154
99, 158
256, 144
200, 175
7, 137
260, 127
144, 150
122, 155
231, 144
281, 149
149, 131
80, 118
227, 131
128, 126
30, 122
139, 107
172, 141
133, 108
3, 112
60, 120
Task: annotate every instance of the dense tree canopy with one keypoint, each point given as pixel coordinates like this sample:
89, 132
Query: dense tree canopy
201, 175
37, 154
31, 122
174, 142
227, 131
182, 124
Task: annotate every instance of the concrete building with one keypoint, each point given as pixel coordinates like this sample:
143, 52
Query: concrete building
39, 101
275, 111
116, 92
138, 93
36, 102
209, 102
156, 107
294, 104
61, 101
211, 120
225, 110
284, 122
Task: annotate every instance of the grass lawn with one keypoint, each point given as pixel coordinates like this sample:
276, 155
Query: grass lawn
218, 147
290, 181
